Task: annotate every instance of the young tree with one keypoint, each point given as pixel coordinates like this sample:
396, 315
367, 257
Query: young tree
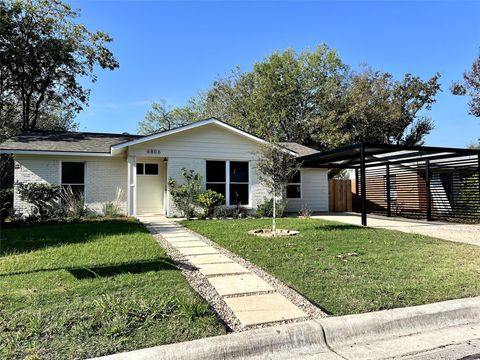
162, 117
276, 166
471, 87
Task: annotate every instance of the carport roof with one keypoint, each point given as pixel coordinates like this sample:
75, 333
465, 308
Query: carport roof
380, 154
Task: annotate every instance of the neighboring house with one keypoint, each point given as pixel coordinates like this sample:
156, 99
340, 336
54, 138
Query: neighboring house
100, 165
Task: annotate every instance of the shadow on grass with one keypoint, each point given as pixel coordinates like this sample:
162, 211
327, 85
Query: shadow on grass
130, 268
41, 236
338, 227
160, 264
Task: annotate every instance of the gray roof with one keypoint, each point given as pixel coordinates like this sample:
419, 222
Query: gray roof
38, 140
89, 142
301, 150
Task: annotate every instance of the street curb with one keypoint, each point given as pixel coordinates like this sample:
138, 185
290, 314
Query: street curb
333, 338
368, 327
259, 343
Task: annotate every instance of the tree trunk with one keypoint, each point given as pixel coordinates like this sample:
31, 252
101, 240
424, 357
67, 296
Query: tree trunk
274, 223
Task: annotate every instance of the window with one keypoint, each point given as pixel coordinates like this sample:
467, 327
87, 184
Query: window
216, 177
294, 187
393, 187
235, 186
73, 176
147, 169
238, 183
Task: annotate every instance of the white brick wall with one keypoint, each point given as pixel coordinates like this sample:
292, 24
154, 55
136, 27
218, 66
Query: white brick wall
102, 179
33, 171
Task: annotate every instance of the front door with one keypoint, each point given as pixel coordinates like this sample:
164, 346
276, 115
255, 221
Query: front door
150, 186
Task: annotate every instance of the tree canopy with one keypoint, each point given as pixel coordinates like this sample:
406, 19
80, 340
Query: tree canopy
315, 99
470, 86
45, 56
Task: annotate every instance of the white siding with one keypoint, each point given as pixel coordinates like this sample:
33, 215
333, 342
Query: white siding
190, 149
314, 191
102, 178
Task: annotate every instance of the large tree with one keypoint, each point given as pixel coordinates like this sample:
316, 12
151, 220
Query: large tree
282, 95
313, 98
470, 86
162, 117
45, 57
379, 109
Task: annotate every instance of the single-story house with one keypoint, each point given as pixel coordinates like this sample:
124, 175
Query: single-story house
101, 165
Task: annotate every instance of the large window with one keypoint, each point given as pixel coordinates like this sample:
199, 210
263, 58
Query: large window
231, 179
294, 187
217, 177
238, 183
73, 176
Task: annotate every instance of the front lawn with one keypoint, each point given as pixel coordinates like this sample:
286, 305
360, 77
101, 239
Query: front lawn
92, 288
347, 269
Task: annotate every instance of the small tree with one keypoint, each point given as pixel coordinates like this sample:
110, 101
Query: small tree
277, 166
185, 195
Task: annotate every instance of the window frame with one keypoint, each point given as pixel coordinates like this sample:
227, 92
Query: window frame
295, 184
62, 184
143, 167
227, 182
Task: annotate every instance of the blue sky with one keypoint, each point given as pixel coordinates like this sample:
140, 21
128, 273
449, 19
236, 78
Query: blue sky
172, 50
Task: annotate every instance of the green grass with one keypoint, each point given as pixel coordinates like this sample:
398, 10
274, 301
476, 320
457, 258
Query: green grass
90, 289
392, 269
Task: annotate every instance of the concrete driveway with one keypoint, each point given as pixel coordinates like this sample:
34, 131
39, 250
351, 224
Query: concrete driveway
454, 232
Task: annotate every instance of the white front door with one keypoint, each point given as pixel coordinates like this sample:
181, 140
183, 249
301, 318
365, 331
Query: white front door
150, 186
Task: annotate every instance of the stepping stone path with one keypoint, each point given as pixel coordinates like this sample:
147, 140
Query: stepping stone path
252, 300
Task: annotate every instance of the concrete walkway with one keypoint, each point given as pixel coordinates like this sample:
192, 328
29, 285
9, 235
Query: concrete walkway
448, 231
252, 300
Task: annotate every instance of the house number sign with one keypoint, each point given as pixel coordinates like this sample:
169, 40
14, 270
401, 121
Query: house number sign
153, 151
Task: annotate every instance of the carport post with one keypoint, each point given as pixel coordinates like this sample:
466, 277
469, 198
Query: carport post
427, 184
389, 200
363, 185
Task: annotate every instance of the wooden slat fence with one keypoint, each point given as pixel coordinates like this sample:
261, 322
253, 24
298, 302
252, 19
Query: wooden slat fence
340, 194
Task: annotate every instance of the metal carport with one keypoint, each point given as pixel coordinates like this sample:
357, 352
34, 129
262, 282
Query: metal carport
454, 194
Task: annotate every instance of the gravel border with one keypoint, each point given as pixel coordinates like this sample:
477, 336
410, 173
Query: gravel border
199, 283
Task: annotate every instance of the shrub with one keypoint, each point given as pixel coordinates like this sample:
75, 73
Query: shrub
114, 208
265, 209
223, 212
6, 203
208, 201
72, 205
305, 212
185, 195
43, 197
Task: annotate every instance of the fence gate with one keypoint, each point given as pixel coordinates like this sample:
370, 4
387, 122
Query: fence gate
340, 195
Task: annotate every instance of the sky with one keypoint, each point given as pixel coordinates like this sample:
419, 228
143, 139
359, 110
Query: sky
172, 50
